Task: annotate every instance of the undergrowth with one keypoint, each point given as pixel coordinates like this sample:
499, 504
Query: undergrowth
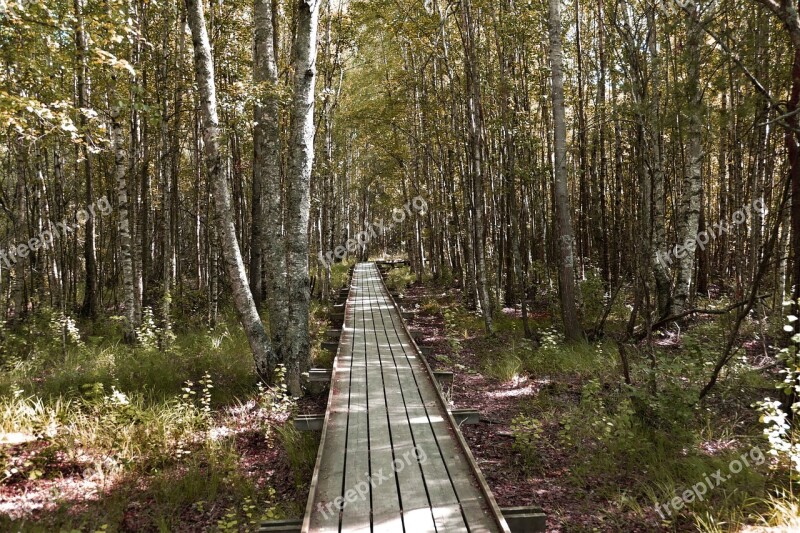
145, 426
636, 445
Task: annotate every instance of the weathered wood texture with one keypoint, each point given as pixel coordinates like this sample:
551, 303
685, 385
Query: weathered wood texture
390, 458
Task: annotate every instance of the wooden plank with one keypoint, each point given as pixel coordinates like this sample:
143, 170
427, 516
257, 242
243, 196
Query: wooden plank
386, 514
356, 515
466, 416
480, 509
443, 499
525, 519
477, 514
520, 520
386, 417
320, 375
309, 422
321, 513
417, 515
468, 492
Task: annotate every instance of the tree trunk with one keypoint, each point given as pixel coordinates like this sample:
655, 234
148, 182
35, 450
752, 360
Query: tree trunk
476, 169
692, 183
234, 264
49, 253
19, 256
165, 184
267, 172
566, 236
89, 308
298, 200
120, 171
652, 134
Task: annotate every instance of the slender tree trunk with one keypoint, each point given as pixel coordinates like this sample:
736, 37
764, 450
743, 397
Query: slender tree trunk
653, 140
566, 236
267, 172
49, 253
692, 183
90, 304
234, 264
298, 201
476, 167
19, 258
165, 179
604, 241
120, 172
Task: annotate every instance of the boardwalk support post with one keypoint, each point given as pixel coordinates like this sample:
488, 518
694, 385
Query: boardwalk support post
444, 378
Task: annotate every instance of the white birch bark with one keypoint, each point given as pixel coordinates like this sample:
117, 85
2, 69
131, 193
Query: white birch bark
232, 255
120, 172
692, 182
298, 200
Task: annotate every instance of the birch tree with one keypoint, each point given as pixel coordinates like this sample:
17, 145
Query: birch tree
655, 165
692, 182
566, 236
232, 256
90, 304
298, 198
268, 237
476, 151
120, 173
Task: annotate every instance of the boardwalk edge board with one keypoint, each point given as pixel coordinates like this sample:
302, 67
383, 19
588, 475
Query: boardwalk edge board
315, 477
487, 493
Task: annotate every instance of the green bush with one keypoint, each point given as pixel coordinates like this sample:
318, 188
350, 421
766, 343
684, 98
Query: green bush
399, 278
528, 440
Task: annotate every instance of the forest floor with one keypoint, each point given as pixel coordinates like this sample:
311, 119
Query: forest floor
96, 436
552, 433
569, 507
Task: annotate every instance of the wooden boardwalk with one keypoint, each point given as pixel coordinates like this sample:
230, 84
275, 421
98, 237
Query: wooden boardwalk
391, 458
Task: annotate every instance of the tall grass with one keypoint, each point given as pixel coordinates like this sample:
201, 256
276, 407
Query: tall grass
148, 425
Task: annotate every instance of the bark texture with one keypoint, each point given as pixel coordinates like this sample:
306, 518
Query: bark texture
566, 235
232, 256
298, 198
268, 231
692, 182
120, 173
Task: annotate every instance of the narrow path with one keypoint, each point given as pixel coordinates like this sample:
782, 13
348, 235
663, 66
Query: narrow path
391, 459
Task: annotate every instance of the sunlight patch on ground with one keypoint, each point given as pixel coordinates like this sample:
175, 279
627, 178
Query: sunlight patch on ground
528, 390
48, 495
716, 447
15, 438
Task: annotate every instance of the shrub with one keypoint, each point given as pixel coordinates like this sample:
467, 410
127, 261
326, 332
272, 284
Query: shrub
400, 278
528, 433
